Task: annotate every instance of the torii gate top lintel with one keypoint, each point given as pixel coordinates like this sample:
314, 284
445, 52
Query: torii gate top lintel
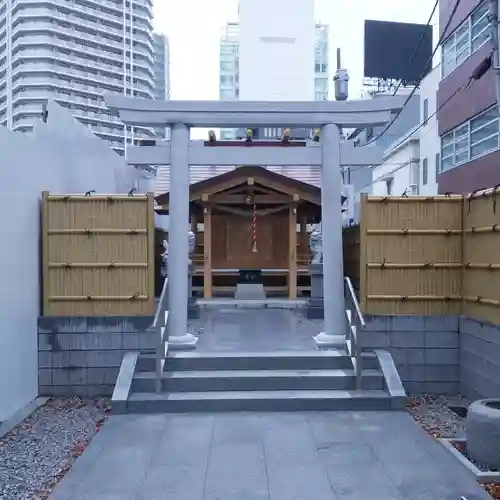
220, 114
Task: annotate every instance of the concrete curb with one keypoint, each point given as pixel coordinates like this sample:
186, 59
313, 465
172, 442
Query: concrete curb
393, 383
20, 415
481, 476
124, 383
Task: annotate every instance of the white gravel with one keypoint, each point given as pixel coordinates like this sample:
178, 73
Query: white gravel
434, 415
36, 454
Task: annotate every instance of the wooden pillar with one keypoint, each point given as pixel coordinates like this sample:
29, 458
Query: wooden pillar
194, 224
207, 250
292, 252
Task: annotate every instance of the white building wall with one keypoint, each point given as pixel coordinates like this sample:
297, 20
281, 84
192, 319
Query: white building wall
430, 143
400, 171
60, 157
277, 57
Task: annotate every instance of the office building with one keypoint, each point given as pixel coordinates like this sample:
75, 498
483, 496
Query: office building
262, 59
468, 123
74, 52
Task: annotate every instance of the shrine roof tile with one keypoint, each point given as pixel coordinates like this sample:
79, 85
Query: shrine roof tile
309, 175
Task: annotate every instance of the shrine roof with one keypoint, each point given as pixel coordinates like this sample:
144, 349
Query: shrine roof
267, 176
308, 175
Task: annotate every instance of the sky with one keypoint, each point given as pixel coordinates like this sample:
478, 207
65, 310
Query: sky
194, 27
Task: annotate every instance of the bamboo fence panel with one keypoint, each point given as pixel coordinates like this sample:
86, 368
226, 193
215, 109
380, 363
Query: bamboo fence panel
411, 255
351, 252
98, 255
482, 256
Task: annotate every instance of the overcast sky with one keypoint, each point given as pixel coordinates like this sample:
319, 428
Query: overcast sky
194, 27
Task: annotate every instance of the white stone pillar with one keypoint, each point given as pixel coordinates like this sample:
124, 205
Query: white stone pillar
331, 226
178, 258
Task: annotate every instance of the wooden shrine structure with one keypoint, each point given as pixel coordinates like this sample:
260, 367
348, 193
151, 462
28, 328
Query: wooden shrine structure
251, 218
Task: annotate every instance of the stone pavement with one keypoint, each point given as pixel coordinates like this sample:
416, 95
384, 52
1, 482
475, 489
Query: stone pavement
254, 330
262, 456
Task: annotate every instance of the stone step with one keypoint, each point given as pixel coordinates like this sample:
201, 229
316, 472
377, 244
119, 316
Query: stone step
314, 360
181, 402
257, 380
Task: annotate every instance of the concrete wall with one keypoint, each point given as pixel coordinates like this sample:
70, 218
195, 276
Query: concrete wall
479, 359
58, 157
82, 356
425, 350
441, 354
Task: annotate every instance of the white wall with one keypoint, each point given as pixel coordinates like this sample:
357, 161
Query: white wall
277, 50
430, 143
402, 166
58, 157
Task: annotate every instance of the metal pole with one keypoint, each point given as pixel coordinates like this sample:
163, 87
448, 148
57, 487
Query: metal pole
493, 17
331, 229
178, 245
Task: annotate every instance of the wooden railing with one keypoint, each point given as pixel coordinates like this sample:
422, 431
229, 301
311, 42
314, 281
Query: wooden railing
160, 325
355, 325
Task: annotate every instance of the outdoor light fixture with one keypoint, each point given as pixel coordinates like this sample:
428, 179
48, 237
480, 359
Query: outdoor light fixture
248, 199
211, 136
286, 135
316, 135
248, 135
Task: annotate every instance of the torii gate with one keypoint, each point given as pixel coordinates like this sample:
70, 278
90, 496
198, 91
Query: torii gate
329, 155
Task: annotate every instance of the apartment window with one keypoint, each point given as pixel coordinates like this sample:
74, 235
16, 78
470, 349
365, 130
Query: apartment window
438, 164
425, 111
226, 65
321, 84
472, 34
424, 171
389, 184
470, 140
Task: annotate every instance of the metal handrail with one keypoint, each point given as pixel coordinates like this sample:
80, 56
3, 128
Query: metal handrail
355, 323
160, 325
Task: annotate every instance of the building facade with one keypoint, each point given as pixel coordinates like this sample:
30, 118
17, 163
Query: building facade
262, 60
468, 124
361, 178
162, 74
430, 143
74, 52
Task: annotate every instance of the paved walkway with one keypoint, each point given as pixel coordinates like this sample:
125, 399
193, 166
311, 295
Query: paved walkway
256, 330
299, 456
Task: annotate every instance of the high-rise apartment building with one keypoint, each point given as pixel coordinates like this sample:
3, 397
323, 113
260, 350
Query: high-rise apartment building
262, 59
162, 66
162, 74
74, 51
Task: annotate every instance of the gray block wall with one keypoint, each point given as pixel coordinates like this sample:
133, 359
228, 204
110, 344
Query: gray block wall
479, 364
82, 356
425, 350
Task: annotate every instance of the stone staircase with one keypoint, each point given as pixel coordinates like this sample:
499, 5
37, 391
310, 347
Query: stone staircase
242, 381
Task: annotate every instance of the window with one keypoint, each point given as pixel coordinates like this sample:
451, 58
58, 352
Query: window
470, 140
226, 65
424, 171
472, 34
438, 164
425, 111
389, 183
321, 84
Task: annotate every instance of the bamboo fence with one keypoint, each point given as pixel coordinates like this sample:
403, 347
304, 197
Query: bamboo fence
98, 255
411, 255
481, 255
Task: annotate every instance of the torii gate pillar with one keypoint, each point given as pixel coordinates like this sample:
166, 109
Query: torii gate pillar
331, 229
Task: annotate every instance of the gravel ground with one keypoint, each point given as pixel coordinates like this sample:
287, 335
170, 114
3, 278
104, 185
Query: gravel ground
38, 452
434, 415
